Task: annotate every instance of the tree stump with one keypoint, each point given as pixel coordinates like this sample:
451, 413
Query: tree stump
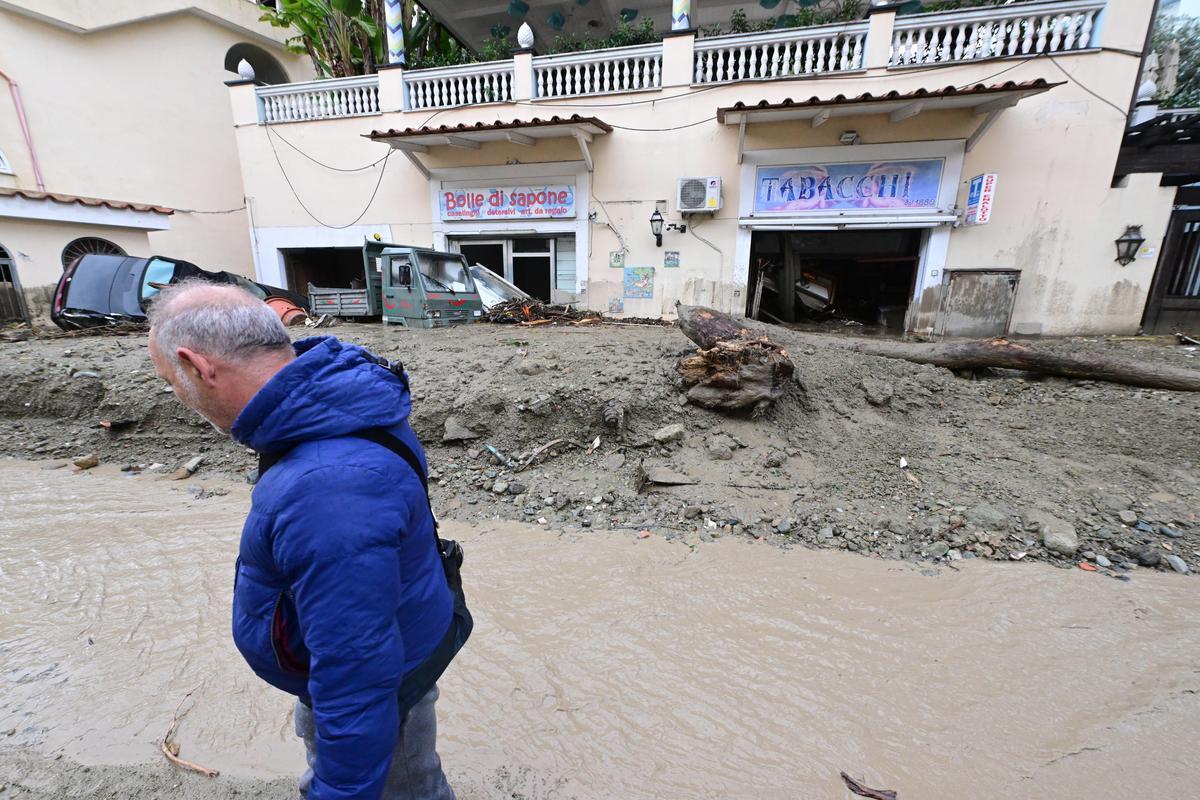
732, 370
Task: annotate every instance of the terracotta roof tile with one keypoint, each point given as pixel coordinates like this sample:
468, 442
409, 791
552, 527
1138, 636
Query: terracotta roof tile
498, 125
93, 202
867, 97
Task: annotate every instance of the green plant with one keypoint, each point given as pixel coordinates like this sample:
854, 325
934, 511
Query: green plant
623, 34
337, 35
1185, 31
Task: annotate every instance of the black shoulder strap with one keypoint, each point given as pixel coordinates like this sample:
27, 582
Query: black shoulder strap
380, 437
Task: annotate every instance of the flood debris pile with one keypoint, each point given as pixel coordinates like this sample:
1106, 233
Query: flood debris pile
530, 311
859, 452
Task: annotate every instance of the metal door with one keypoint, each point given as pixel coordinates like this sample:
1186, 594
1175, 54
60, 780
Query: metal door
1174, 302
977, 303
12, 300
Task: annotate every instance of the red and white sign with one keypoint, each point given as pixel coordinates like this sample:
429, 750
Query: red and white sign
980, 197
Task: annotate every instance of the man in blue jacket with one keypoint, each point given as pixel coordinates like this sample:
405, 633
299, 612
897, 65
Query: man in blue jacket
340, 597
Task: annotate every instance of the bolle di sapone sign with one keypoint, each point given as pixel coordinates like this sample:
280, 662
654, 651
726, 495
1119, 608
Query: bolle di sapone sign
878, 185
508, 202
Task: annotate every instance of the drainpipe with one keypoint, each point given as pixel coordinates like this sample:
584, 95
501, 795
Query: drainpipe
15, 90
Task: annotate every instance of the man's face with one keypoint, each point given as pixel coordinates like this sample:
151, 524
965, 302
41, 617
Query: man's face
194, 392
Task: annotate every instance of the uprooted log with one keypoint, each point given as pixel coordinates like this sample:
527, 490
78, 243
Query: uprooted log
732, 371
1003, 354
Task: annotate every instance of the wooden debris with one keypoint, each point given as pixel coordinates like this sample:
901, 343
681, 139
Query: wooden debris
170, 748
733, 371
866, 791
1004, 354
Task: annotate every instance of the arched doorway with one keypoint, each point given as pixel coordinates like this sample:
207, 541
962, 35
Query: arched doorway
266, 68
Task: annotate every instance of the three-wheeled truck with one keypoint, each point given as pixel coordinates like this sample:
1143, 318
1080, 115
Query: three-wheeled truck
410, 286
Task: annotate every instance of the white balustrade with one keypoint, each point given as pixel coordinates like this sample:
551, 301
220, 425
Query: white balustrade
994, 32
787, 53
466, 85
619, 69
326, 99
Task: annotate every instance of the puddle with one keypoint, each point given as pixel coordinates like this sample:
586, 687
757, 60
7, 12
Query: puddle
604, 666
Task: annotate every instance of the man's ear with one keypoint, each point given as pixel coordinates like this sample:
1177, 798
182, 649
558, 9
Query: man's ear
199, 364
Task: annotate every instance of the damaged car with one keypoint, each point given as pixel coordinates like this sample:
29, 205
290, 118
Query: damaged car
98, 290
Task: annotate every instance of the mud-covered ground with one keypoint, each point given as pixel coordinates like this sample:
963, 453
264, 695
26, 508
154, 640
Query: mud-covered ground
998, 466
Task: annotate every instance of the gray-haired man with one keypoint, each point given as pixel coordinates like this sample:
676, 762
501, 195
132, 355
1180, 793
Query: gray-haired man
340, 594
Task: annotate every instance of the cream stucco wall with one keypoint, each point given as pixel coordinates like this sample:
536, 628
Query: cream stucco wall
126, 101
36, 245
1055, 215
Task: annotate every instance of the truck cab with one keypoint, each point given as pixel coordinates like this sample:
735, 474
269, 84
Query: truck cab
422, 287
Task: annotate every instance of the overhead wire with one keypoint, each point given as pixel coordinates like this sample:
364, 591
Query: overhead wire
287, 179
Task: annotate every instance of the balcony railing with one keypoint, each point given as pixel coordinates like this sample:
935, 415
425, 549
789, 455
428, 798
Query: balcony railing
337, 97
620, 69
780, 54
941, 38
447, 87
991, 32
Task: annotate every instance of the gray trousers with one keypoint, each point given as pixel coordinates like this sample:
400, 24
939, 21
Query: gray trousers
416, 771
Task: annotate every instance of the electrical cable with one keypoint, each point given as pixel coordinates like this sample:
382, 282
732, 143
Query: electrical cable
661, 130
198, 211
1123, 112
272, 132
314, 217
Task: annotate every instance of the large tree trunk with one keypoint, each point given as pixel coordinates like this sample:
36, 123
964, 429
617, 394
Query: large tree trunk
1011, 355
732, 371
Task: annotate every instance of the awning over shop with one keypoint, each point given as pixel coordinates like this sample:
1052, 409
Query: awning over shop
986, 101
412, 141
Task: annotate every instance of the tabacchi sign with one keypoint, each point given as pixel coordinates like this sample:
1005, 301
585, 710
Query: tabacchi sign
881, 185
508, 202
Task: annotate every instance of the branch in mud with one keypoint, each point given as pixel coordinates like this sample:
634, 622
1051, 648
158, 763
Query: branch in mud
732, 371
1003, 354
170, 748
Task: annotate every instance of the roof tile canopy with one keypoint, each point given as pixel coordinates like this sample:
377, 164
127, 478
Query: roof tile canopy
93, 202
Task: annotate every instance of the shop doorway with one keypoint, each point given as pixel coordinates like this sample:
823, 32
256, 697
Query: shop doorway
535, 264
867, 276
323, 267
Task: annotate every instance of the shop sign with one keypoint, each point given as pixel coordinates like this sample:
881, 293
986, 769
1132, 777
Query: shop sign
871, 186
508, 202
979, 199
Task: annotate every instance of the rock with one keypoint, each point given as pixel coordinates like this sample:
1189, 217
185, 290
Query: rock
669, 433
989, 517
665, 476
516, 488
825, 534
784, 527
252, 477
1148, 557
691, 512
1177, 564
193, 465
1101, 561
879, 393
529, 368
613, 462
500, 487
937, 549
83, 373
1127, 517
719, 452
775, 459
1170, 533
455, 430
1058, 536
87, 462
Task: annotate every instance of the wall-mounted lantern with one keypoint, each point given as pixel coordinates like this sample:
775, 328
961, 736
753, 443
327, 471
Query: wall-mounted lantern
656, 223
1129, 243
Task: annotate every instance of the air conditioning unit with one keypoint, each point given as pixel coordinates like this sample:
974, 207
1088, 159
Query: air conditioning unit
698, 195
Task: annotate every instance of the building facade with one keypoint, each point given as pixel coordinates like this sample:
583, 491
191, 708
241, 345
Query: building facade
947, 173
115, 134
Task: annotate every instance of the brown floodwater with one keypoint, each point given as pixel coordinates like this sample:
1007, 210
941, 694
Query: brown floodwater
603, 666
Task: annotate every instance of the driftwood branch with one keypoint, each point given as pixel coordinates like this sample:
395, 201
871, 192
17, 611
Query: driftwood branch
1003, 354
170, 748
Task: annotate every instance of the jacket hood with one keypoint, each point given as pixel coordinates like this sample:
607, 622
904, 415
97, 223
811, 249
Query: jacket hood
331, 389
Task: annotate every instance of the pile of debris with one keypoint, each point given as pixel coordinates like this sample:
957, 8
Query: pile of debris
531, 311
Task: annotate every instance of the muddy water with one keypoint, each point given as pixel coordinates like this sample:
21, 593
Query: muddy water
603, 666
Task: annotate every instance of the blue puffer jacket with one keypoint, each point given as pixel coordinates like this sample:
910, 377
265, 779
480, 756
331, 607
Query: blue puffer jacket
339, 589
